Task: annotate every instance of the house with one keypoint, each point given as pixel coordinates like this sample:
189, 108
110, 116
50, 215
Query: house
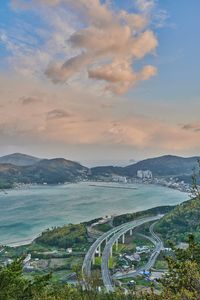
27, 259
143, 249
131, 283
144, 174
126, 268
8, 262
120, 179
133, 258
167, 249
28, 268
69, 250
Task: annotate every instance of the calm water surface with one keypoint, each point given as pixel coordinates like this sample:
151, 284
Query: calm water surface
26, 213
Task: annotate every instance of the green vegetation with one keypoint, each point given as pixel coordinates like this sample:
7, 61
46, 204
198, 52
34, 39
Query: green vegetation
103, 227
5, 185
118, 220
98, 261
181, 282
52, 171
64, 237
183, 278
160, 264
184, 218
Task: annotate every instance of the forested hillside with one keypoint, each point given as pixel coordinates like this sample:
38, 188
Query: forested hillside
181, 221
51, 171
64, 237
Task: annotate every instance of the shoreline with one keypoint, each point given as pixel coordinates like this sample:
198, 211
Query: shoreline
113, 187
28, 241
20, 243
22, 186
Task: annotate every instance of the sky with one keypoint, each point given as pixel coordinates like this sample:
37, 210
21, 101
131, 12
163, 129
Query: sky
100, 81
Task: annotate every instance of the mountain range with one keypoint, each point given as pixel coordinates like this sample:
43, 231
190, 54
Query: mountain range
19, 159
50, 171
23, 168
163, 166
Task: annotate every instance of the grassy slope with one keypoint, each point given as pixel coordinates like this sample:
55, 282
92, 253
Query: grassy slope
181, 221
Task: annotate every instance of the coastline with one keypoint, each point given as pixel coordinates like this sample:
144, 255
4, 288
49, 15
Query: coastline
20, 243
113, 187
179, 186
29, 240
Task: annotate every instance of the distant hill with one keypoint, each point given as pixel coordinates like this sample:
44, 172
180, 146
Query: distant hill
19, 159
181, 221
107, 170
164, 166
167, 165
51, 171
28, 169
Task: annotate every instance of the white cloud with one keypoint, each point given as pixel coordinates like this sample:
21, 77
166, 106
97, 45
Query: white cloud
145, 5
110, 42
32, 47
102, 39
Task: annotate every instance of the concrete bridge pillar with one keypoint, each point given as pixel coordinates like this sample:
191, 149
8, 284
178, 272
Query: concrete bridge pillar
99, 251
131, 232
93, 259
123, 239
111, 252
106, 240
117, 245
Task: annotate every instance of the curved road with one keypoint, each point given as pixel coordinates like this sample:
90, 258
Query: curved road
159, 246
107, 280
86, 268
156, 252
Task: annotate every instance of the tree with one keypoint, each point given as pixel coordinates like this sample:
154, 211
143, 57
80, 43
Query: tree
13, 284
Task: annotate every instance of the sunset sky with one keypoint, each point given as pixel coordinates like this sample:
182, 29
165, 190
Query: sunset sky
100, 81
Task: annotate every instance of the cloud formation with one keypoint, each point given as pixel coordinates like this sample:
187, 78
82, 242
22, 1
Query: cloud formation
30, 100
192, 126
57, 114
145, 5
107, 44
83, 120
104, 44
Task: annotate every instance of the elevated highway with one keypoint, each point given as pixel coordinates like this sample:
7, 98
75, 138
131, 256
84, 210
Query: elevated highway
107, 252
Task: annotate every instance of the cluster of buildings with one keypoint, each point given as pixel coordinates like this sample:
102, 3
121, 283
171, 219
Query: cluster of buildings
142, 250
173, 183
128, 260
119, 179
145, 175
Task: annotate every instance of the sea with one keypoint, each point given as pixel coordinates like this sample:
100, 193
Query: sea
26, 212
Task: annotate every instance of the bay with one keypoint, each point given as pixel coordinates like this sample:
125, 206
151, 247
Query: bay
25, 213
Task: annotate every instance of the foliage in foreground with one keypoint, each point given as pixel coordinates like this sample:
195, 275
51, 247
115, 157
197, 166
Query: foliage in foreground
181, 283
